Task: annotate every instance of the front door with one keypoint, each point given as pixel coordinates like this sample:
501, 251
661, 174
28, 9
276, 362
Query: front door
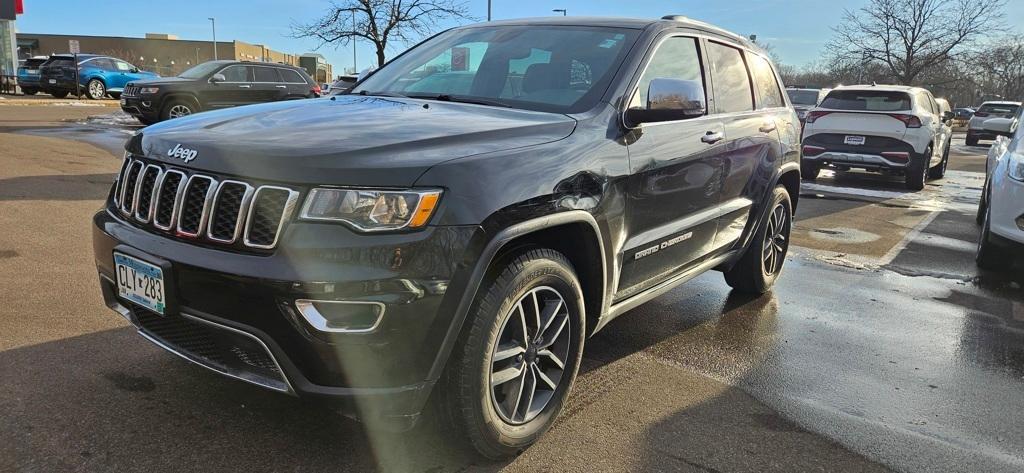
236, 89
676, 173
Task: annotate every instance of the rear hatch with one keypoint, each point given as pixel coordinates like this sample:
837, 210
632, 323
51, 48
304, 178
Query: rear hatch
58, 67
31, 67
862, 113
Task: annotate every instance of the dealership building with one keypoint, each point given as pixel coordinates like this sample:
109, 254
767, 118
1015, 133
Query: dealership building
164, 54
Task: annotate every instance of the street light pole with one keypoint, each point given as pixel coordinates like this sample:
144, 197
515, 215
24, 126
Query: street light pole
213, 26
355, 68
562, 10
488, 10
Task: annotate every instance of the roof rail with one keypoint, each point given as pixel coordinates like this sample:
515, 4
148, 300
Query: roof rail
710, 27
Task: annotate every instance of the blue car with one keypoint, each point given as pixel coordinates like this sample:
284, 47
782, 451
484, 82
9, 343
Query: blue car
98, 76
28, 75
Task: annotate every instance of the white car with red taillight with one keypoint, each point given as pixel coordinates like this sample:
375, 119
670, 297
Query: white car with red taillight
880, 128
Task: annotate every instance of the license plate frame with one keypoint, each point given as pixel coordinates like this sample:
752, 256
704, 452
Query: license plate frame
854, 140
170, 306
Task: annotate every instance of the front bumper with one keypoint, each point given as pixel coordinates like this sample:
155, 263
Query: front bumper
980, 134
1006, 206
141, 107
254, 295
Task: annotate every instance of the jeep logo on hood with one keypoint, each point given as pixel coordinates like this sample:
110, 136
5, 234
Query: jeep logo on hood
183, 154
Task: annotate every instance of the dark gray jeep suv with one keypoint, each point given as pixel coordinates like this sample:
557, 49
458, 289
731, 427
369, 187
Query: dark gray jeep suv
484, 203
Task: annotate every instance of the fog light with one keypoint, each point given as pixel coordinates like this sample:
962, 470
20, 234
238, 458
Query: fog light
341, 316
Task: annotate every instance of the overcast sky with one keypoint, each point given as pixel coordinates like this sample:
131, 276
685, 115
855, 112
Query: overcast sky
797, 29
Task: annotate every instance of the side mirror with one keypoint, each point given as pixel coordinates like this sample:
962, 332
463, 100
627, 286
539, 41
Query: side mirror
669, 100
218, 78
947, 116
999, 126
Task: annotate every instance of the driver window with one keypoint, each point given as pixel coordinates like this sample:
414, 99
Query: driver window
236, 74
676, 58
123, 66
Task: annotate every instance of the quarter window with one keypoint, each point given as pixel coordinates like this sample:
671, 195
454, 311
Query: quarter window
676, 58
764, 79
291, 76
267, 74
123, 66
236, 74
732, 84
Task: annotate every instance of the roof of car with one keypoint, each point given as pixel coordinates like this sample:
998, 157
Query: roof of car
1000, 102
882, 87
620, 22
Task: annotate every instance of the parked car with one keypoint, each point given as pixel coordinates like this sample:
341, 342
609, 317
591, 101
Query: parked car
881, 128
28, 74
98, 76
465, 244
992, 109
1001, 210
963, 114
342, 85
216, 84
804, 100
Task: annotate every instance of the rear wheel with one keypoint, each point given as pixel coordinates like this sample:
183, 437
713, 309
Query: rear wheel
29, 91
809, 170
95, 89
761, 264
990, 255
59, 94
971, 141
518, 355
939, 171
917, 170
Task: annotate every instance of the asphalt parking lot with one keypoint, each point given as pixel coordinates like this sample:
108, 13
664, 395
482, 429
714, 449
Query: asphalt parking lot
881, 348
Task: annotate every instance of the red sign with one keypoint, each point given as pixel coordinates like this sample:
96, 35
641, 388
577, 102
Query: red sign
19, 7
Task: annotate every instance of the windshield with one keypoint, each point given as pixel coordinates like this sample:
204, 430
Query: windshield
803, 97
550, 68
199, 70
867, 100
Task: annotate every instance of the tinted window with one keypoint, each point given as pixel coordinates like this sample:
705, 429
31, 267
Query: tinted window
803, 97
291, 76
676, 58
199, 70
552, 68
732, 84
267, 74
100, 63
237, 74
867, 100
764, 79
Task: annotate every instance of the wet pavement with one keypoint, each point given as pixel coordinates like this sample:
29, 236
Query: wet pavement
881, 347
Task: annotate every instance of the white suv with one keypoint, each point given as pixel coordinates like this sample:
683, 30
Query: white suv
988, 110
882, 128
1001, 211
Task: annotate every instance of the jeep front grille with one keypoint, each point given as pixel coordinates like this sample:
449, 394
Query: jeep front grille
201, 207
130, 91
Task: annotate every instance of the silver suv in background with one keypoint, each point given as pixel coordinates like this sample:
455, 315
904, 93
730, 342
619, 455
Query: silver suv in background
993, 109
804, 100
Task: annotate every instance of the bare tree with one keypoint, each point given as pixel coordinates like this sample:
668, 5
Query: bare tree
910, 36
1000, 68
380, 21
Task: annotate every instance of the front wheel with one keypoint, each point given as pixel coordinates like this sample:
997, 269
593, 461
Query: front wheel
177, 108
518, 355
761, 264
990, 255
95, 89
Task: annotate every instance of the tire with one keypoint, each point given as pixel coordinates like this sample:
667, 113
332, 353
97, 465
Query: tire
114, 95
61, 94
990, 256
29, 91
757, 269
485, 416
917, 171
95, 89
939, 171
979, 218
145, 121
178, 107
971, 141
809, 170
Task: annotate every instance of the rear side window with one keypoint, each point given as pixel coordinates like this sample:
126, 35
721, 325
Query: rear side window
123, 66
237, 74
101, 63
733, 92
289, 75
267, 74
867, 100
764, 79
676, 58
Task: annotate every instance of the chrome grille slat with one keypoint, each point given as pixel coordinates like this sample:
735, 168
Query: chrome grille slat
201, 207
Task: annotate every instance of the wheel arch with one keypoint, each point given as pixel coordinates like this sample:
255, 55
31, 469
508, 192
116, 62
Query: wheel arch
574, 233
179, 95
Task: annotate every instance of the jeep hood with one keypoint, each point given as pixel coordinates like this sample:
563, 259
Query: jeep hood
347, 140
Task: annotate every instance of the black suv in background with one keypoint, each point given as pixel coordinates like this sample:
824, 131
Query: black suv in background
215, 84
452, 235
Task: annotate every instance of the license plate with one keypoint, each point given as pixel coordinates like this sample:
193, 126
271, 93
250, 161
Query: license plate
32, 71
123, 101
53, 81
140, 282
854, 140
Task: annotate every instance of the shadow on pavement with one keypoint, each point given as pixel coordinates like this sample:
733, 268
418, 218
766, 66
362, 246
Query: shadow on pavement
57, 187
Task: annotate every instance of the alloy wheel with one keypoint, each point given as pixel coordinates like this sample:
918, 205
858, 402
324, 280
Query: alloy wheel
776, 240
179, 110
528, 362
96, 90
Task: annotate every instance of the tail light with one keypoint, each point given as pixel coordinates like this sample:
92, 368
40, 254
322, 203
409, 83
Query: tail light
814, 115
315, 89
813, 150
911, 121
901, 156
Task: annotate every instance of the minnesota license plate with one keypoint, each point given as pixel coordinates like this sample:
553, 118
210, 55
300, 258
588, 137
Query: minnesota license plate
854, 140
140, 282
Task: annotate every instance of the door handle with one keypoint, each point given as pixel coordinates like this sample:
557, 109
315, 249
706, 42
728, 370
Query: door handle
281, 86
244, 86
712, 137
767, 127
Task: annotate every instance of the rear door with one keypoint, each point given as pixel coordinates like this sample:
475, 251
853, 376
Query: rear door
123, 75
676, 172
267, 85
296, 84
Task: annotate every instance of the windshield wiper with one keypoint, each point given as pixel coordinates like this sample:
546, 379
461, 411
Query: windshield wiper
381, 93
460, 99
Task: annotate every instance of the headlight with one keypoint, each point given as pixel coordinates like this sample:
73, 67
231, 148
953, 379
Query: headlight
1015, 165
149, 90
371, 210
